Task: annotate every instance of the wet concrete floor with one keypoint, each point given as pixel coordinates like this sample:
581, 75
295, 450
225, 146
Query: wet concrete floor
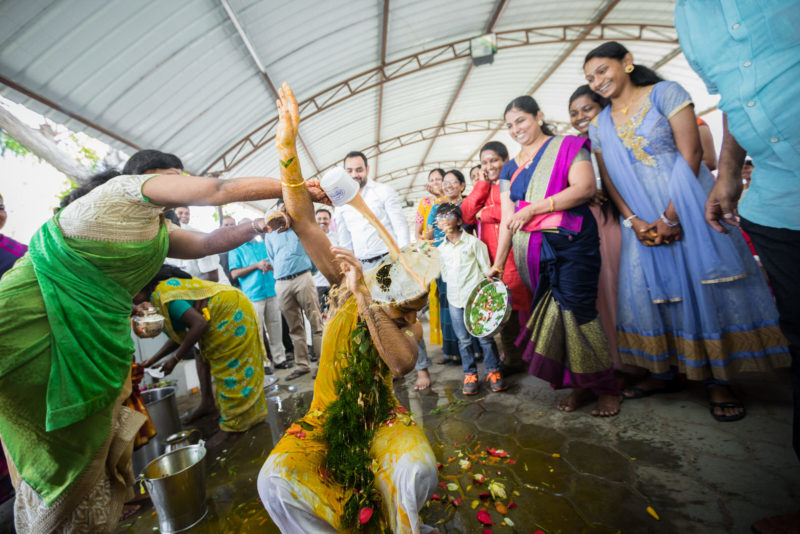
562, 473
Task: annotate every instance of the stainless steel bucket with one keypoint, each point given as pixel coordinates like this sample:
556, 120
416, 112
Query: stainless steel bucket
163, 409
177, 486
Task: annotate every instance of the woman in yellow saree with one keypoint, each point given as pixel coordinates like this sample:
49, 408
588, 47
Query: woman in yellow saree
223, 322
356, 461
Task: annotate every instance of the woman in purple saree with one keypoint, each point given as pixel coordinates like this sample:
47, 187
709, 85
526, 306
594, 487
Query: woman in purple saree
544, 195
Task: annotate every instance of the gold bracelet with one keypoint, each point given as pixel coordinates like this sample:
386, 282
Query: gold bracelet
552, 204
301, 184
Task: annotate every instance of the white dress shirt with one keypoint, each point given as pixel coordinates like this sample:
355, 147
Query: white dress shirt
464, 264
358, 235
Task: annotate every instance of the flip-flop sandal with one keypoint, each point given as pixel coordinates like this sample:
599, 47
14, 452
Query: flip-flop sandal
640, 393
297, 373
727, 418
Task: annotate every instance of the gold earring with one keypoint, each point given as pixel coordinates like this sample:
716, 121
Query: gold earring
541, 123
629, 69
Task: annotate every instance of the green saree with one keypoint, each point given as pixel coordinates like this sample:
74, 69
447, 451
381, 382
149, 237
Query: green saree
66, 349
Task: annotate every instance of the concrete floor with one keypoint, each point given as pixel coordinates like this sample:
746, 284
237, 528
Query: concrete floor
569, 473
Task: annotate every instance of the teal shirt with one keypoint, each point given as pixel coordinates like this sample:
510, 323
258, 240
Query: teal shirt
257, 285
176, 310
749, 53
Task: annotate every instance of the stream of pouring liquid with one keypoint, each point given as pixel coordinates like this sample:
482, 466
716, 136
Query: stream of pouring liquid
394, 251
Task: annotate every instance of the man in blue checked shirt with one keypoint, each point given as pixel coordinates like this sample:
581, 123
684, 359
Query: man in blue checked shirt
250, 266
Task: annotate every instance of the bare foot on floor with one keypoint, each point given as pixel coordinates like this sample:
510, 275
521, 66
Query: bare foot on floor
423, 380
577, 398
607, 405
201, 411
724, 404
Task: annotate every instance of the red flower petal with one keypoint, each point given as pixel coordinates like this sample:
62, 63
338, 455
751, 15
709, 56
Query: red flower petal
435, 497
439, 466
512, 505
485, 496
484, 517
364, 515
443, 485
487, 531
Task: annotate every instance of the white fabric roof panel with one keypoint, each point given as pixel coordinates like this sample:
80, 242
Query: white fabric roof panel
416, 25
177, 75
490, 88
418, 100
348, 126
312, 44
524, 14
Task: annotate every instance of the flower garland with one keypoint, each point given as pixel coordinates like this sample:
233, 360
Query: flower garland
363, 403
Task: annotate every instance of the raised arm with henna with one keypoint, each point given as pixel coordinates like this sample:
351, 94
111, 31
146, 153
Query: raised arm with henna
296, 195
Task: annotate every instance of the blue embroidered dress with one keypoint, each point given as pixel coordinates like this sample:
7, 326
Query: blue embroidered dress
701, 303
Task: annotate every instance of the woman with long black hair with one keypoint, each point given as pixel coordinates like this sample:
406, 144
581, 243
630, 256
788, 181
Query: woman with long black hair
691, 300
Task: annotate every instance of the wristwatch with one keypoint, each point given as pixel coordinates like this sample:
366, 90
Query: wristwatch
628, 223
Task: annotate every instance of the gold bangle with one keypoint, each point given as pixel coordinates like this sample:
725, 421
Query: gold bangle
552, 204
301, 184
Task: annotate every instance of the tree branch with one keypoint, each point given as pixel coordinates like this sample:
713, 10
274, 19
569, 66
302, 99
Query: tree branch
43, 146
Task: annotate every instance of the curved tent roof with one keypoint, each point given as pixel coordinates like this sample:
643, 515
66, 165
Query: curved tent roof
392, 78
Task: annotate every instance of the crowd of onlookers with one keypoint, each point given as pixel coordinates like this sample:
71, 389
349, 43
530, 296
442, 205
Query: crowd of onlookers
630, 266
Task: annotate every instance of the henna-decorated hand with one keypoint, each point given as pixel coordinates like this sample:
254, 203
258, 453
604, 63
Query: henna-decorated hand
288, 123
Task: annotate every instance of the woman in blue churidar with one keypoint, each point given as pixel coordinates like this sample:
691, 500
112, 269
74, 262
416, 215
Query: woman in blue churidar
691, 300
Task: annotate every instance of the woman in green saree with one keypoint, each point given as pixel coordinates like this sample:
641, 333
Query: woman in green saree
65, 343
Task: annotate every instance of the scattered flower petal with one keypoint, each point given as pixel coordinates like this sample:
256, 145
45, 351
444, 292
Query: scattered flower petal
484, 517
500, 507
484, 495
497, 489
475, 504
364, 515
508, 522
478, 478
512, 505
452, 486
653, 513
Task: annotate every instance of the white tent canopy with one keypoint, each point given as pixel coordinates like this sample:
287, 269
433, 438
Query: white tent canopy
392, 78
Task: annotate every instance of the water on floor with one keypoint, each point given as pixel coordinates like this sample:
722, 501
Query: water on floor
496, 473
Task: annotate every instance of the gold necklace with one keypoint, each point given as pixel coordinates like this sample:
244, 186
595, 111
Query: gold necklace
625, 109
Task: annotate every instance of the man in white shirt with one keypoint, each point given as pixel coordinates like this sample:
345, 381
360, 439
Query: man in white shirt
204, 268
354, 232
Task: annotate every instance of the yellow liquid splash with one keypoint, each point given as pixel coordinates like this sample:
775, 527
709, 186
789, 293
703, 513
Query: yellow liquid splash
394, 251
